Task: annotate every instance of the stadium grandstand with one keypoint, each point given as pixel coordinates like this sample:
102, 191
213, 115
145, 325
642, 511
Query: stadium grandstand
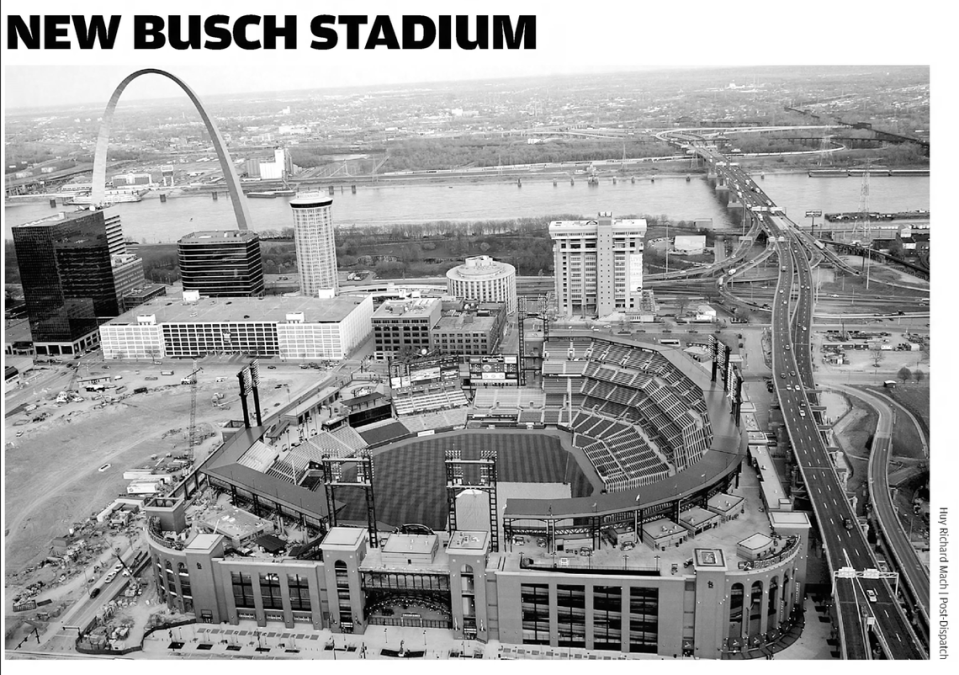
636, 417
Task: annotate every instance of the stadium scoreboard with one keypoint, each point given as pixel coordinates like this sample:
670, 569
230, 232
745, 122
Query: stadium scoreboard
502, 368
424, 372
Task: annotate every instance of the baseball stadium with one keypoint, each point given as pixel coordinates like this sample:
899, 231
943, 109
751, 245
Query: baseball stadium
600, 496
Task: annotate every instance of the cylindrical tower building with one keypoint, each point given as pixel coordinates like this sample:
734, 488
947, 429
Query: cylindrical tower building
315, 247
482, 278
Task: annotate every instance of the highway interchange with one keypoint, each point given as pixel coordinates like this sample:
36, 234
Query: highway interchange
868, 611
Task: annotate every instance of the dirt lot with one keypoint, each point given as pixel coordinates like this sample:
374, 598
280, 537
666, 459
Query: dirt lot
52, 470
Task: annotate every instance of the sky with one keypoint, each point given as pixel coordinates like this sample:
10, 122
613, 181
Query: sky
571, 38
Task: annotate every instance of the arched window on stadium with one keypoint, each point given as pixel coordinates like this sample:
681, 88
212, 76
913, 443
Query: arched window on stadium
756, 608
772, 612
343, 593
161, 586
785, 594
171, 581
468, 582
186, 590
736, 611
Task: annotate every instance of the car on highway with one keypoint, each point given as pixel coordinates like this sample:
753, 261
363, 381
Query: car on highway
793, 373
782, 375
110, 577
871, 595
788, 348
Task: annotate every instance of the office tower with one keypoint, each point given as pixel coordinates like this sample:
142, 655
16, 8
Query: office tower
598, 265
315, 247
221, 263
482, 278
114, 234
66, 269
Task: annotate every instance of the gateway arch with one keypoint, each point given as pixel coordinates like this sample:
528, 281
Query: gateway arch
103, 140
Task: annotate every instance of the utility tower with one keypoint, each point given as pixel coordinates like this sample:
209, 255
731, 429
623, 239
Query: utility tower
863, 225
824, 147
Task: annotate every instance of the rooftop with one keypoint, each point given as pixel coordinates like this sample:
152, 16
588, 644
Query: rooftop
56, 219
721, 541
413, 308
590, 225
220, 310
480, 267
471, 541
419, 544
465, 321
343, 536
311, 200
217, 236
203, 542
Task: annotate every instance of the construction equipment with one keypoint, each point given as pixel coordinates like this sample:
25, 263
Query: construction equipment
191, 380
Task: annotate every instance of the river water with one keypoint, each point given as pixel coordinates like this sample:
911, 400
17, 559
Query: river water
151, 221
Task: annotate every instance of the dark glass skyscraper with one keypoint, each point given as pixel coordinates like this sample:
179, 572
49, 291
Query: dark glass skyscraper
221, 263
67, 276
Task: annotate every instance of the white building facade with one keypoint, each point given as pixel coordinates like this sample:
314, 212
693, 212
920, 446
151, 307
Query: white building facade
316, 333
598, 265
482, 278
315, 245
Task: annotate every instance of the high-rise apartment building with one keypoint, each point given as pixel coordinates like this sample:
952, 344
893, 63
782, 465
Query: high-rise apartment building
222, 263
67, 272
598, 265
315, 246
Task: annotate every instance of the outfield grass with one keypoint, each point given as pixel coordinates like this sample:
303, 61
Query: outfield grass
410, 481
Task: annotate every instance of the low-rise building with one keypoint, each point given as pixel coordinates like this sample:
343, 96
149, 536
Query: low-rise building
405, 325
470, 328
289, 328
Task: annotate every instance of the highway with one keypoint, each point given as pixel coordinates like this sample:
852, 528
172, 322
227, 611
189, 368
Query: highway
846, 546
868, 611
914, 575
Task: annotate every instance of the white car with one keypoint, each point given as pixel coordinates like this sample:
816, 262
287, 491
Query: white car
110, 577
871, 595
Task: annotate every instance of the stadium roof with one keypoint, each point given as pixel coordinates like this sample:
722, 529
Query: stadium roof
273, 489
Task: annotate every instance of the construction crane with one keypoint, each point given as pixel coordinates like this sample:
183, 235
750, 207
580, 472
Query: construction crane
191, 380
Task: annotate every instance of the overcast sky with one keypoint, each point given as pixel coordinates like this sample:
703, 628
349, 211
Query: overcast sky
571, 38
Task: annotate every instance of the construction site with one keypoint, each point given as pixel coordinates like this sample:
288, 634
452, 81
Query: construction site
85, 445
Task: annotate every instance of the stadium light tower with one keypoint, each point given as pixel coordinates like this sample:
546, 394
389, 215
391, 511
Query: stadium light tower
487, 481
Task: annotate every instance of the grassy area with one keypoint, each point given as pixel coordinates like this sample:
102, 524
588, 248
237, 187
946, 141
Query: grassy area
415, 491
860, 429
915, 397
906, 439
850, 284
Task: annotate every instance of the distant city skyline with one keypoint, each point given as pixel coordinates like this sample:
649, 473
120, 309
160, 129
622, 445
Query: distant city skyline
65, 89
